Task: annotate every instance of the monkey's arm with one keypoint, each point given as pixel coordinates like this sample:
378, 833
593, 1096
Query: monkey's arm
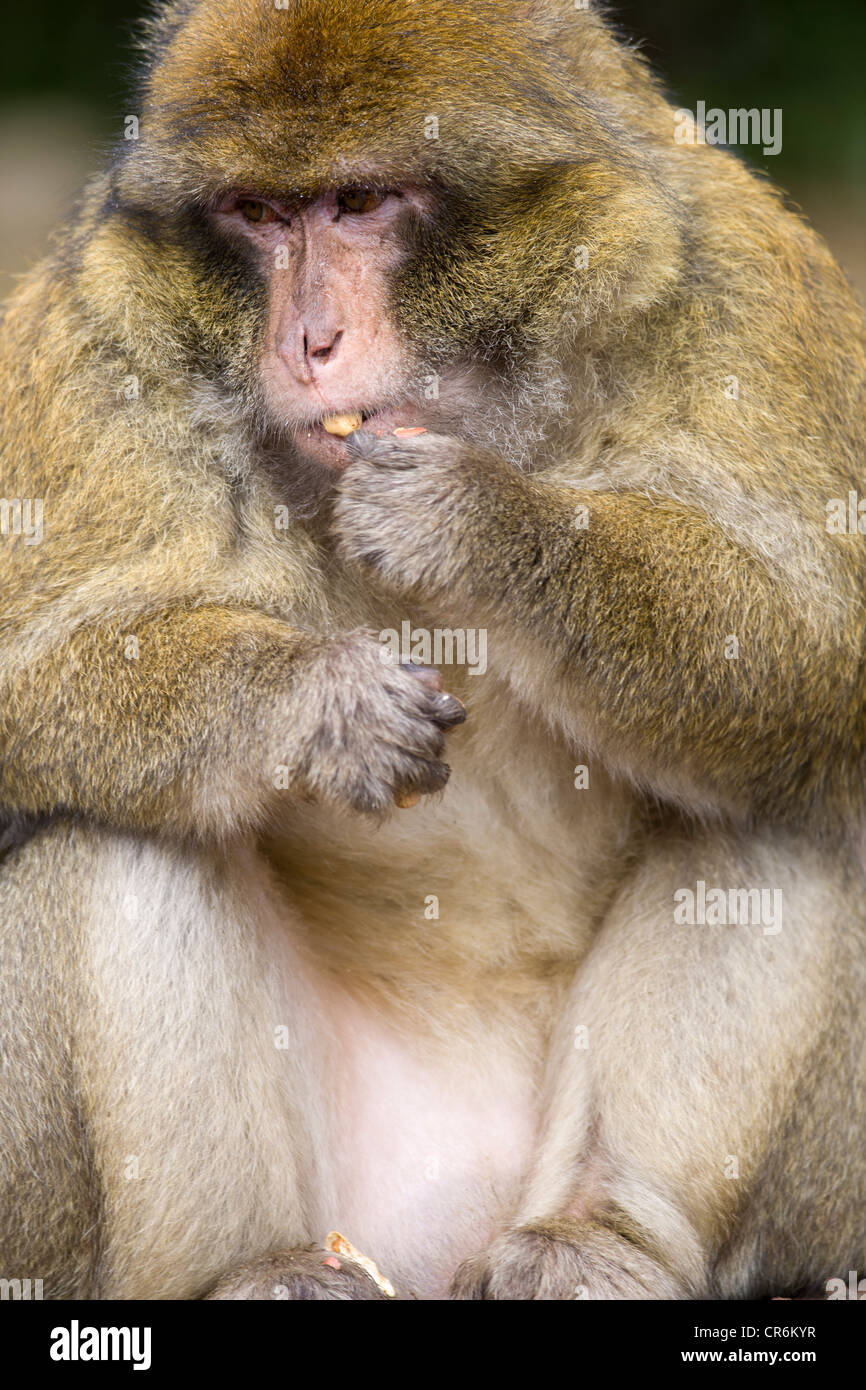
201, 720
638, 624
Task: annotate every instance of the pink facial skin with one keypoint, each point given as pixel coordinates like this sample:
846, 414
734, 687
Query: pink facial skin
330, 348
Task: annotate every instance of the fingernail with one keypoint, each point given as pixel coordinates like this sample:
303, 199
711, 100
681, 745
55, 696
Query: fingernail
450, 711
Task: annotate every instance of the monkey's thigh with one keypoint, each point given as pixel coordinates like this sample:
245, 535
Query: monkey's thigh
159, 1117
709, 1088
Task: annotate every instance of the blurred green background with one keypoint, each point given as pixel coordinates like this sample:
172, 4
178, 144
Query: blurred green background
64, 79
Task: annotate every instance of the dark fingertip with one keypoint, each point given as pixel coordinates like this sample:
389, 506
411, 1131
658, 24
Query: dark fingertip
436, 779
449, 712
379, 449
361, 443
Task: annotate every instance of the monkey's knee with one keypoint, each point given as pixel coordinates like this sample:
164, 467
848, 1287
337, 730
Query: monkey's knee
304, 1275
565, 1259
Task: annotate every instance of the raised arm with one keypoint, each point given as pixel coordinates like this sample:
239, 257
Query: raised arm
655, 636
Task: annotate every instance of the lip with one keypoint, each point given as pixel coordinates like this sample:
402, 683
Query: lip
315, 442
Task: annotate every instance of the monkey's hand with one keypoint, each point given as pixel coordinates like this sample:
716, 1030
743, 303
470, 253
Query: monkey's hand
413, 509
369, 732
690, 695
223, 717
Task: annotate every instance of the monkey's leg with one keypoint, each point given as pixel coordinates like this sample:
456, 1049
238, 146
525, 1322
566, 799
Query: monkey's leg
311, 1275
163, 1117
707, 1098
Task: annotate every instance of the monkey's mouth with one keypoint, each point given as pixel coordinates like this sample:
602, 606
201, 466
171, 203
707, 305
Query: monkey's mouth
325, 438
343, 425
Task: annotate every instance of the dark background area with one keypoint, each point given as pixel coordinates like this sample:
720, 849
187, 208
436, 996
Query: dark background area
807, 57
64, 85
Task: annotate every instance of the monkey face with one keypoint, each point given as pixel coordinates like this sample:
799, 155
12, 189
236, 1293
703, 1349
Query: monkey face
371, 219
330, 356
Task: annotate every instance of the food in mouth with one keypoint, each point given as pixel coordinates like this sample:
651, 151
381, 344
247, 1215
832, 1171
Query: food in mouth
342, 425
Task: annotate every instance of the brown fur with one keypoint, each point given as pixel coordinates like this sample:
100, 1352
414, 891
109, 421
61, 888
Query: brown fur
175, 906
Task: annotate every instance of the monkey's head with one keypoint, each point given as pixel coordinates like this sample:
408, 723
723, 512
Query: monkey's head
377, 208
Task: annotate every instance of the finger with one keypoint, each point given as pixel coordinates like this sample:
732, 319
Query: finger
362, 444
448, 712
387, 452
428, 674
426, 776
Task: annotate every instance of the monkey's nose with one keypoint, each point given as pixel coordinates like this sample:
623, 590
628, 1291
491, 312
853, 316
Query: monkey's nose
320, 348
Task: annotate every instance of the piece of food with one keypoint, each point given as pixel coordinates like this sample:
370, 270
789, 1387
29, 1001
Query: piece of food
405, 800
340, 1246
342, 424
404, 432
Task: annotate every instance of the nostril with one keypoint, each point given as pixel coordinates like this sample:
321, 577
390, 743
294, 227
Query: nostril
323, 351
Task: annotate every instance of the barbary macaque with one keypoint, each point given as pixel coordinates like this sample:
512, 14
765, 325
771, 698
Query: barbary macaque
420, 314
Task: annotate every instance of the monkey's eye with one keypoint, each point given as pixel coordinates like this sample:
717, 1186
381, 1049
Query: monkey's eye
256, 211
359, 200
